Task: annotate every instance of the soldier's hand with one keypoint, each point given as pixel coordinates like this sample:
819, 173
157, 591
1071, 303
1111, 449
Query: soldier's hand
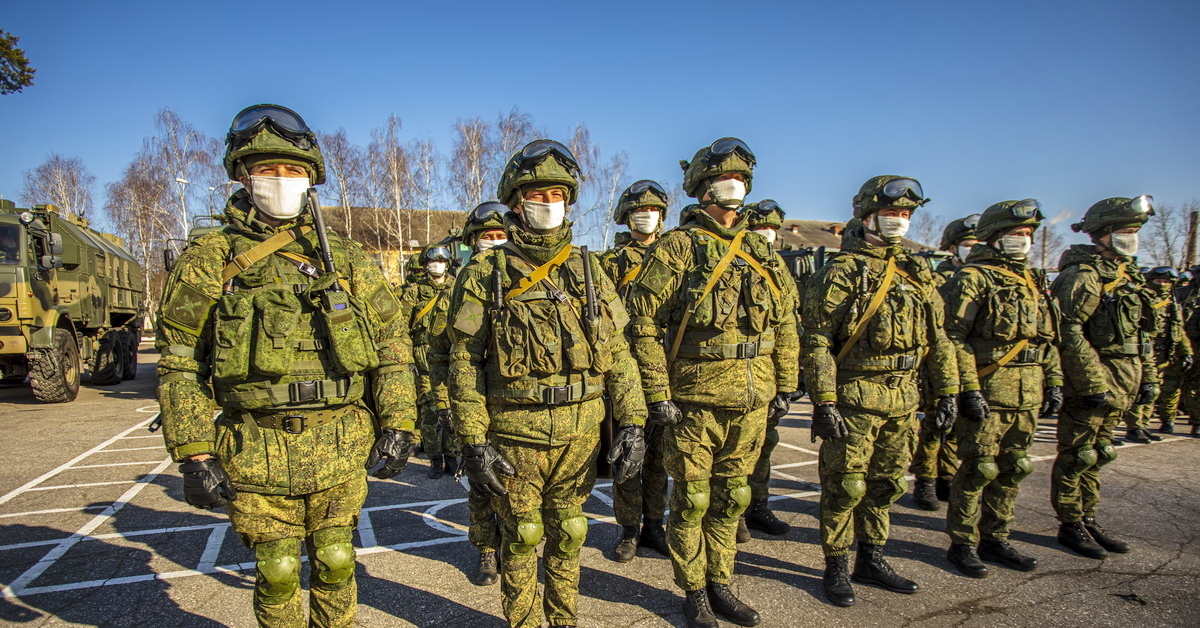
942, 417
445, 421
393, 447
972, 405
1096, 401
1147, 393
1052, 401
627, 453
828, 424
205, 484
481, 462
1186, 362
664, 413
780, 406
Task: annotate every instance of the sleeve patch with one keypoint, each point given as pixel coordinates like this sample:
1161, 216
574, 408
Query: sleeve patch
470, 317
383, 300
187, 309
655, 275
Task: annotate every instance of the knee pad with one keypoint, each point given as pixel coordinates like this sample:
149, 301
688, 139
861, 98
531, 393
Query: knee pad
898, 487
278, 567
574, 528
850, 489
1082, 459
739, 496
1105, 454
697, 496
333, 557
1018, 464
529, 534
979, 472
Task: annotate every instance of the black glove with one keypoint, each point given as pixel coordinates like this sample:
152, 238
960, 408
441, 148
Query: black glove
393, 447
828, 424
664, 413
205, 484
779, 407
1052, 400
1186, 363
972, 405
627, 452
1147, 393
1096, 401
445, 421
942, 417
481, 462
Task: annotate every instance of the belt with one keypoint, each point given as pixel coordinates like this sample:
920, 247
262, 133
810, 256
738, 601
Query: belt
293, 423
880, 364
735, 351
1028, 355
588, 387
294, 392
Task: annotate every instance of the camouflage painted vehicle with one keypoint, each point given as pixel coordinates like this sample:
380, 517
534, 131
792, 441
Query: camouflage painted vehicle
201, 226
70, 297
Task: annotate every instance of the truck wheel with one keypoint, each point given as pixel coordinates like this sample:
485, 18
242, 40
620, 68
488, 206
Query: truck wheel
131, 362
109, 363
54, 374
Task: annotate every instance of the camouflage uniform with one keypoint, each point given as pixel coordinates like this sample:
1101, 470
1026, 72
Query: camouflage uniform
935, 457
1171, 349
418, 306
1189, 400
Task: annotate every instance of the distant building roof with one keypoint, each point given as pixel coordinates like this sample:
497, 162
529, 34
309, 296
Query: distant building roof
375, 228
800, 234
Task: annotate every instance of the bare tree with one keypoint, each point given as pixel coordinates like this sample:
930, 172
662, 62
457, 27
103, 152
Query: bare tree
140, 205
62, 181
470, 163
182, 153
391, 177
926, 228
1165, 235
345, 172
513, 131
426, 178
675, 205
1048, 245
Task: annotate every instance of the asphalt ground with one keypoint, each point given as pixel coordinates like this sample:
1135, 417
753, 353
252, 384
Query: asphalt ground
94, 532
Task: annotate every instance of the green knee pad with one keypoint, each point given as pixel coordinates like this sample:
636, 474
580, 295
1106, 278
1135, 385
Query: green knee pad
899, 488
1081, 459
739, 496
979, 472
697, 496
850, 490
1105, 454
278, 569
333, 557
574, 527
1018, 464
529, 534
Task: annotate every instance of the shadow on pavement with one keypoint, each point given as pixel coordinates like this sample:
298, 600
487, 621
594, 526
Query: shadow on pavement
417, 607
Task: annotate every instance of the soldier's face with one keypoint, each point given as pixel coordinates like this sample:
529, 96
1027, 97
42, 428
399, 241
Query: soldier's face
493, 234
1106, 239
898, 212
548, 195
724, 177
1020, 231
290, 171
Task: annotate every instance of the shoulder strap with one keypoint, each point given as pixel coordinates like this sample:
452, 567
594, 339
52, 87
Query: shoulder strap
540, 273
425, 310
889, 274
1121, 277
243, 261
1004, 359
748, 258
722, 264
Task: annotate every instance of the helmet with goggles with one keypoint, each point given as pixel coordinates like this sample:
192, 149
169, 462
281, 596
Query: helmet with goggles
542, 163
643, 193
436, 252
271, 134
959, 230
1162, 272
887, 191
765, 213
999, 218
1112, 214
485, 217
724, 156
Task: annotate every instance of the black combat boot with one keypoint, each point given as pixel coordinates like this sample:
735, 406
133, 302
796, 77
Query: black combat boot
1168, 427
743, 532
1003, 553
760, 517
487, 573
1151, 435
626, 548
697, 610
1110, 543
1075, 537
924, 495
726, 604
966, 560
871, 568
1195, 427
941, 487
436, 470
453, 462
836, 581
654, 537
1134, 435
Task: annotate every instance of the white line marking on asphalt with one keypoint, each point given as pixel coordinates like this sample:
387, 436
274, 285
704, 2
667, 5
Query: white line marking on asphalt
116, 464
437, 523
52, 511
798, 448
148, 409
792, 465
212, 549
105, 451
366, 530
58, 486
158, 436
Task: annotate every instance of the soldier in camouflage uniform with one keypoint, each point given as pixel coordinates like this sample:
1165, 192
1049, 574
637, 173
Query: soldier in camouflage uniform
253, 325
1003, 325
416, 305
1172, 357
714, 331
871, 316
1189, 400
1108, 326
936, 458
536, 343
641, 500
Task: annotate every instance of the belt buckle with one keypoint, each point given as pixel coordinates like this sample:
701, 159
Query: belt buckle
555, 395
747, 350
293, 424
307, 269
906, 362
893, 381
1028, 355
302, 392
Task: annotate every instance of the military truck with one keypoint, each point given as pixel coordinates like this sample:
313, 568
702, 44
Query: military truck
70, 296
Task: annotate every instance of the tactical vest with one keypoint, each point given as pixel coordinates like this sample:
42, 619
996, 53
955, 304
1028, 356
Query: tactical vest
1011, 312
895, 336
278, 344
1169, 324
1123, 323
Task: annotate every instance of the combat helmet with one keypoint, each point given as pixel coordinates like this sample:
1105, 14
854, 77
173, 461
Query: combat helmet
765, 213
726, 155
1162, 272
888, 190
486, 216
643, 193
959, 230
275, 134
1115, 213
543, 162
1005, 215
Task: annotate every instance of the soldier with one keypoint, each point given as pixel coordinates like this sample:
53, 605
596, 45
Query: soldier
869, 315
1172, 358
536, 331
714, 332
1002, 324
1107, 329
254, 325
416, 304
1190, 397
642, 499
936, 459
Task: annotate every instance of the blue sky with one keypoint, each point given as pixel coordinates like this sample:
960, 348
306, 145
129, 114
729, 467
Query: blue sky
1067, 102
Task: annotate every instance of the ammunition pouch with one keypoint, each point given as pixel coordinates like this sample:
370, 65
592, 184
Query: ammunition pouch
347, 325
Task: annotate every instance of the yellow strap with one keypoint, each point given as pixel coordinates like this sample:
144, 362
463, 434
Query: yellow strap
425, 310
1121, 276
1004, 359
539, 273
722, 264
631, 275
749, 259
1161, 304
889, 274
261, 250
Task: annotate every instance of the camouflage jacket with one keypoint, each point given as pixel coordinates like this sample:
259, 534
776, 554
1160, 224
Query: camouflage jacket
533, 346
623, 263
1107, 317
418, 305
990, 309
739, 347
189, 394
1171, 344
906, 333
943, 272
437, 339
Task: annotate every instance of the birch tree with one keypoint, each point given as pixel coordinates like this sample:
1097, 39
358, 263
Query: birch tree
62, 181
471, 179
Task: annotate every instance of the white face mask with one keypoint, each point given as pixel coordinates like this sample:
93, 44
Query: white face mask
279, 197
728, 193
963, 252
484, 245
543, 216
644, 223
890, 228
1125, 243
437, 269
1015, 246
769, 234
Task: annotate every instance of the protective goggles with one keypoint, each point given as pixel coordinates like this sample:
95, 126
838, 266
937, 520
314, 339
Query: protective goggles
1164, 272
536, 152
972, 221
640, 187
722, 148
1028, 208
897, 188
436, 254
488, 211
282, 121
766, 206
1143, 204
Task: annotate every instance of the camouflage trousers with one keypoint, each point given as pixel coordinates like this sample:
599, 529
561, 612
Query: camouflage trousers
709, 454
761, 476
546, 496
1189, 398
934, 457
275, 526
862, 476
435, 441
484, 532
644, 495
1167, 404
1085, 437
997, 447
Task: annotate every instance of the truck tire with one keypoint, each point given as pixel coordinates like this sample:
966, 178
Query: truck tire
109, 365
54, 373
130, 358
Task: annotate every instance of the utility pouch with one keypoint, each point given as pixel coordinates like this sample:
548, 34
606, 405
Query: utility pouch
278, 312
581, 337
232, 337
351, 345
